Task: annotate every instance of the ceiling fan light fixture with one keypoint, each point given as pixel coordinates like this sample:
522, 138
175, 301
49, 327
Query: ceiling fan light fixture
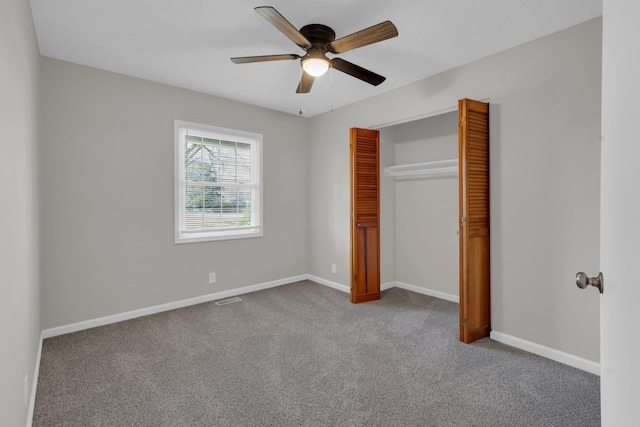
315, 65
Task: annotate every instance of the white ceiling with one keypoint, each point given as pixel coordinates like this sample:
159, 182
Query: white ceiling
188, 43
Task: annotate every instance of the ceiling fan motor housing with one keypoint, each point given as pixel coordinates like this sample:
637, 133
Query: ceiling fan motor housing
318, 35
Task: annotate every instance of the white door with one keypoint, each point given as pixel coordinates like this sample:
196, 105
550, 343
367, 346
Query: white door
620, 214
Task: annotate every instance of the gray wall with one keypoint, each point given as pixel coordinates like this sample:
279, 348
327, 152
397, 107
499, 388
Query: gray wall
19, 255
545, 133
108, 196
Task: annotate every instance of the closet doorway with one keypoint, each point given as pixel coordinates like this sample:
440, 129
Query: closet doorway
434, 211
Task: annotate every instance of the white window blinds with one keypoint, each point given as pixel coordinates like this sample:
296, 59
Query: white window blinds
219, 190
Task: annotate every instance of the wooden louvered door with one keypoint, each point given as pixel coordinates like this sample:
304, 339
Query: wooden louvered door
473, 152
365, 215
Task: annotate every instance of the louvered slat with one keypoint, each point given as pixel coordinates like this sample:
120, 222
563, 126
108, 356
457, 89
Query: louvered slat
366, 180
477, 171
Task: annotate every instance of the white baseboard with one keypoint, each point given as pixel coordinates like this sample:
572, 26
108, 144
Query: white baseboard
345, 288
106, 320
329, 283
34, 384
430, 292
387, 286
549, 353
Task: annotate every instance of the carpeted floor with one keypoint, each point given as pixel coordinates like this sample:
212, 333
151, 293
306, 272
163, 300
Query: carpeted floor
302, 355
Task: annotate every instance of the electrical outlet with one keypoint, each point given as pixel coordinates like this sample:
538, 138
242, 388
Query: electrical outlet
333, 268
212, 277
25, 389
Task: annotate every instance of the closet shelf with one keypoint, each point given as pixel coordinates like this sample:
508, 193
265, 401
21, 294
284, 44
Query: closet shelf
427, 170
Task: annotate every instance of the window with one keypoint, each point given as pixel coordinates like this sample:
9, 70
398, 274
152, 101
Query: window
218, 183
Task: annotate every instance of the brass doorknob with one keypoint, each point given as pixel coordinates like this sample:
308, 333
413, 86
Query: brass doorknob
582, 281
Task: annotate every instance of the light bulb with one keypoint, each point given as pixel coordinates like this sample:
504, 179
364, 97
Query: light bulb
315, 66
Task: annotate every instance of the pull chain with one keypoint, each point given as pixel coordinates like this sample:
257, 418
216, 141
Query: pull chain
331, 89
299, 94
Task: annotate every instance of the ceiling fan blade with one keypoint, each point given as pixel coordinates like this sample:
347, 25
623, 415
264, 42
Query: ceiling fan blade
383, 31
357, 71
305, 83
263, 58
279, 21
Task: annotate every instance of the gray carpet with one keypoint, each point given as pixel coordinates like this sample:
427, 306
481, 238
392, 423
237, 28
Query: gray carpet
302, 355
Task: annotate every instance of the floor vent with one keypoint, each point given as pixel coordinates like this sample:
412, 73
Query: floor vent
228, 301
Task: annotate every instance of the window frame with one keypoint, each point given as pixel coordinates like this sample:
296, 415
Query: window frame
255, 139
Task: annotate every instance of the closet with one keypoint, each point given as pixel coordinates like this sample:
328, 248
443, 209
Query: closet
421, 239
419, 205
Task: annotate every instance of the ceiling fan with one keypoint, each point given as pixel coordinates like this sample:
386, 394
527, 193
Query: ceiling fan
317, 40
